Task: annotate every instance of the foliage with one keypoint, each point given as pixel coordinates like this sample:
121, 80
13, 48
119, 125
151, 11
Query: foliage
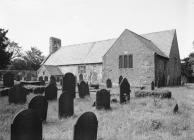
15, 49
5, 56
186, 66
33, 58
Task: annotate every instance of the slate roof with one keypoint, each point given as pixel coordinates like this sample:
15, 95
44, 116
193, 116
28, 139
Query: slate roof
80, 53
92, 52
53, 70
163, 40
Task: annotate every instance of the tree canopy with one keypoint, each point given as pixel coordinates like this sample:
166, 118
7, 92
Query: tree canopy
5, 56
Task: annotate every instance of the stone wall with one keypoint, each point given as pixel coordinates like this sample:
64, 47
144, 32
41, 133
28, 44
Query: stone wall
174, 65
142, 72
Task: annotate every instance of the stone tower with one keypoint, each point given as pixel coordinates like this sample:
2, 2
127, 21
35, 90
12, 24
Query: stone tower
54, 44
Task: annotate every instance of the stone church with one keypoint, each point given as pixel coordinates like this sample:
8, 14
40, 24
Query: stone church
140, 58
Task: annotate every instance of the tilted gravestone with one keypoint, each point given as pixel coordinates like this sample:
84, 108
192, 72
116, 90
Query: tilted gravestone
66, 105
17, 94
152, 85
120, 79
83, 89
8, 79
40, 104
69, 83
108, 83
86, 127
103, 99
51, 92
26, 126
124, 91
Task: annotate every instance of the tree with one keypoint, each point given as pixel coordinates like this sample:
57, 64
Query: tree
15, 49
33, 58
19, 64
5, 56
186, 66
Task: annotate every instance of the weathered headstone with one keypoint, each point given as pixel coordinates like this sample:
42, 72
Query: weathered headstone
176, 108
103, 99
108, 83
66, 105
40, 78
28, 76
52, 80
8, 79
40, 104
17, 94
81, 78
86, 127
120, 79
26, 126
69, 83
46, 78
51, 92
83, 89
152, 85
124, 91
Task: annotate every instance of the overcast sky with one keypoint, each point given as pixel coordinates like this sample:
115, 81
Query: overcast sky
32, 22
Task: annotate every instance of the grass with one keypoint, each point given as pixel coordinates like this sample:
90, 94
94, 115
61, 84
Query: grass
140, 119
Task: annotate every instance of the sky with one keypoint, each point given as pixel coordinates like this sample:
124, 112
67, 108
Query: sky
32, 22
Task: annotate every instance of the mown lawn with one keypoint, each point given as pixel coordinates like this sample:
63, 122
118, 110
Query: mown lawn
140, 119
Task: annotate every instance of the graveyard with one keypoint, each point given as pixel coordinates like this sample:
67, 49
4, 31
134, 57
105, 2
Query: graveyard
138, 118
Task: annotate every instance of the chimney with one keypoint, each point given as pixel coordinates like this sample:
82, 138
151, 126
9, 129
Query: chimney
55, 44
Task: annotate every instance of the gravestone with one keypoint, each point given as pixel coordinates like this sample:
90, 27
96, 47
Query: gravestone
17, 94
176, 108
46, 78
103, 99
81, 78
52, 80
26, 126
124, 91
28, 76
51, 92
152, 85
40, 104
108, 83
66, 105
120, 79
83, 89
8, 79
86, 127
69, 83
18, 78
40, 78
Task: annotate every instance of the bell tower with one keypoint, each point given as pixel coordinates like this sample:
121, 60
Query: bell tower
54, 44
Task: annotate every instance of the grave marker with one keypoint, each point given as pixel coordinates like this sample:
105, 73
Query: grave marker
17, 94
26, 126
108, 83
8, 79
124, 91
51, 92
83, 89
69, 83
86, 127
66, 105
40, 104
103, 99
